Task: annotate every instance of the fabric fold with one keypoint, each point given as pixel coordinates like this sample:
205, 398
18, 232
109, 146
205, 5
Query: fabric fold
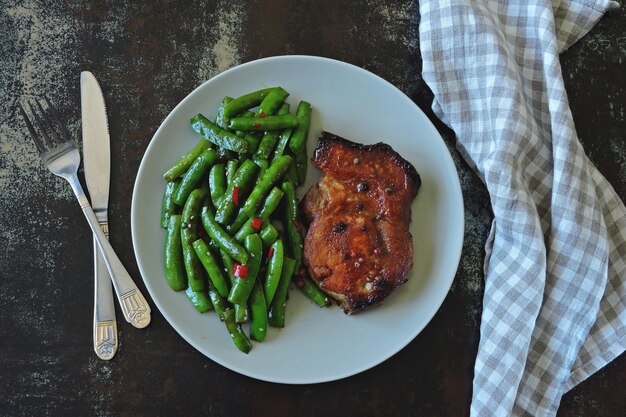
554, 308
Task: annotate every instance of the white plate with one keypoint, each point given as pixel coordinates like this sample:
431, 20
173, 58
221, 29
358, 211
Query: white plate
316, 344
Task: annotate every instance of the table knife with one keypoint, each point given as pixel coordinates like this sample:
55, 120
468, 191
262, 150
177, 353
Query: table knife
97, 166
97, 163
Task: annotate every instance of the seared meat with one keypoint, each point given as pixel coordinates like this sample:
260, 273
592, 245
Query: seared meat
358, 247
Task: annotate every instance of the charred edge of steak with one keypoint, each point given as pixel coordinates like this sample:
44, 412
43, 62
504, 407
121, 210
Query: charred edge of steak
327, 140
355, 302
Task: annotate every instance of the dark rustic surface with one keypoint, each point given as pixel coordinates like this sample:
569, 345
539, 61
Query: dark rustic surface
148, 55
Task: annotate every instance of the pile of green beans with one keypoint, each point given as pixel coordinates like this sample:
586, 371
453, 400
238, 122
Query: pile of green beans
234, 239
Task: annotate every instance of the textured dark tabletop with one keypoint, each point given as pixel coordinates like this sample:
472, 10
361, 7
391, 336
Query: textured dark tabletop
148, 55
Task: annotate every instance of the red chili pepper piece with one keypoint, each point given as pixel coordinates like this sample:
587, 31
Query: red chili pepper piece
377, 251
256, 223
298, 225
235, 196
240, 271
243, 271
299, 282
301, 272
270, 253
361, 260
352, 254
261, 115
256, 124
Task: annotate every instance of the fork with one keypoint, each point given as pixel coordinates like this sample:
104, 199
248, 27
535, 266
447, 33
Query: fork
60, 156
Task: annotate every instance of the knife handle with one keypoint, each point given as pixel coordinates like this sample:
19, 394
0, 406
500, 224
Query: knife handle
105, 340
134, 305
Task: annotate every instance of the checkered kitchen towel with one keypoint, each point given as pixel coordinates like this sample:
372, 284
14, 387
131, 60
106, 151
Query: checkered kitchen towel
554, 309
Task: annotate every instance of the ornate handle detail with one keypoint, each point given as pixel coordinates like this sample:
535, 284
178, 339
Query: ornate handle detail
134, 305
105, 340
136, 309
104, 322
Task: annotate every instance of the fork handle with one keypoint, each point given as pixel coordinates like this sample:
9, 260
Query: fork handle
134, 306
105, 339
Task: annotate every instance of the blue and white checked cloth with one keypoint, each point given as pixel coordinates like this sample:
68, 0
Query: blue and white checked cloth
554, 308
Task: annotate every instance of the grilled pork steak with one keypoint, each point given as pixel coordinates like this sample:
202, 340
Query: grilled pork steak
358, 247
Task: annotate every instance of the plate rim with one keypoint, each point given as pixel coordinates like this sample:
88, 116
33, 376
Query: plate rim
455, 253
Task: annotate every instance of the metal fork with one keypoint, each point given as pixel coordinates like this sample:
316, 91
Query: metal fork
61, 157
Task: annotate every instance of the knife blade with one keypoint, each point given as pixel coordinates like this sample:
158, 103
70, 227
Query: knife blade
97, 164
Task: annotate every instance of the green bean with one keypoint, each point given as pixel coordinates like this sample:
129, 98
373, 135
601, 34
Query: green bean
219, 119
242, 133
237, 223
301, 165
188, 234
193, 268
217, 183
168, 207
211, 243
219, 304
277, 309
216, 275
301, 133
194, 175
242, 313
228, 263
292, 174
236, 333
206, 201
242, 287
312, 291
292, 223
281, 145
271, 176
241, 310
253, 142
268, 235
223, 240
246, 230
199, 299
271, 137
272, 102
215, 134
185, 161
274, 268
243, 180
245, 102
287, 121
191, 210
270, 205
258, 311
263, 166
173, 255
231, 170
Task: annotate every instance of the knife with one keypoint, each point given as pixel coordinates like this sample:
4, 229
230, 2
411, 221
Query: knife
97, 166
97, 163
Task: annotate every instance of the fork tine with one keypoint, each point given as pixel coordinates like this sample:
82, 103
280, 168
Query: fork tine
55, 116
46, 116
42, 127
31, 130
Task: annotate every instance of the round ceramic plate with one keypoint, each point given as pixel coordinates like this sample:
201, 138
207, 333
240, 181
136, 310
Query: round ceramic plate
317, 344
